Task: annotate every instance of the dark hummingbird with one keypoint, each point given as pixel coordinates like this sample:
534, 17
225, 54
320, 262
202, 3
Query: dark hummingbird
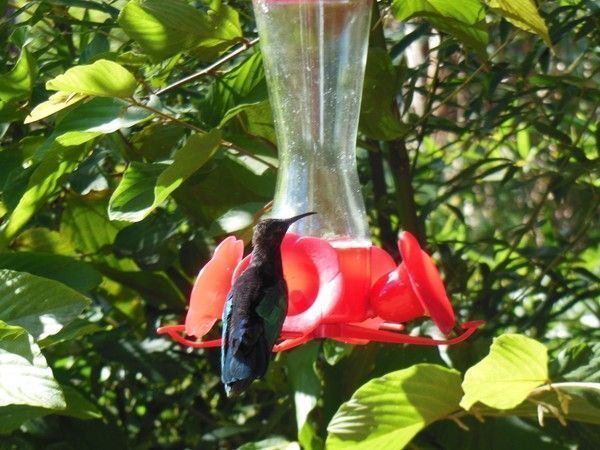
255, 309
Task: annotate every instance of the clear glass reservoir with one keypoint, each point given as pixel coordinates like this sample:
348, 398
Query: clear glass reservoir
314, 54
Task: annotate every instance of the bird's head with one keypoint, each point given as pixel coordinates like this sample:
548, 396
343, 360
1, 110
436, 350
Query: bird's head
270, 232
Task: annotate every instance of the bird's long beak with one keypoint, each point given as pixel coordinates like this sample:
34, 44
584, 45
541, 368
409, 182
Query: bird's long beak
291, 220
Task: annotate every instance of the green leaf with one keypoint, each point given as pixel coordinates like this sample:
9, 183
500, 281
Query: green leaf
305, 382
133, 198
378, 120
164, 28
239, 88
388, 412
78, 275
39, 305
522, 14
13, 416
103, 78
43, 183
18, 82
101, 116
155, 287
56, 102
149, 242
236, 219
44, 240
514, 367
579, 362
25, 378
464, 20
74, 330
86, 224
273, 443
145, 186
578, 402
335, 351
157, 140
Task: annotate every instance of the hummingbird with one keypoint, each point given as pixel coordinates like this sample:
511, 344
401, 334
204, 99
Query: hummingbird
255, 309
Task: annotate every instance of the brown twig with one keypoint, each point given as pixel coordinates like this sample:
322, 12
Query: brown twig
207, 70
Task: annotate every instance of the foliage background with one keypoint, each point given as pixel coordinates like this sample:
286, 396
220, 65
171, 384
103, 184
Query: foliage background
475, 135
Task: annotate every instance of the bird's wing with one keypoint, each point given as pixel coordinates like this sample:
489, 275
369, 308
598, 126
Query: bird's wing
225, 330
273, 309
244, 353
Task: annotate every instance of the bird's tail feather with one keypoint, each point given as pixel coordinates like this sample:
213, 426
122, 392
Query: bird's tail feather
240, 369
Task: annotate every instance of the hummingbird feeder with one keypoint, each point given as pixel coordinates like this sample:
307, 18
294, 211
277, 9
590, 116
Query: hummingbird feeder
340, 286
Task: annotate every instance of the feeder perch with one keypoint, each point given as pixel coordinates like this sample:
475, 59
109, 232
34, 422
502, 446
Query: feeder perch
340, 286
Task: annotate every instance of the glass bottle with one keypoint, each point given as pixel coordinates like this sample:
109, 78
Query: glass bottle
314, 53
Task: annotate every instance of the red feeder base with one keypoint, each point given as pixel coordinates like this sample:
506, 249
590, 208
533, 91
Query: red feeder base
350, 295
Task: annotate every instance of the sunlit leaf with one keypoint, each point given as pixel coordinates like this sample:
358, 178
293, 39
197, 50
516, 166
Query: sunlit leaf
13, 416
25, 378
78, 275
44, 240
523, 14
388, 412
18, 82
464, 20
41, 306
164, 28
514, 367
301, 366
103, 78
56, 102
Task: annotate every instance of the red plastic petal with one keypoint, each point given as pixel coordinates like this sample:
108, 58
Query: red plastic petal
212, 286
354, 263
325, 260
381, 264
301, 275
426, 282
393, 298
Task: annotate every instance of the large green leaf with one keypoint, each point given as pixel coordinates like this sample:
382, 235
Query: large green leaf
13, 416
464, 20
25, 378
388, 412
145, 186
514, 367
40, 306
103, 78
523, 14
164, 28
78, 275
18, 82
